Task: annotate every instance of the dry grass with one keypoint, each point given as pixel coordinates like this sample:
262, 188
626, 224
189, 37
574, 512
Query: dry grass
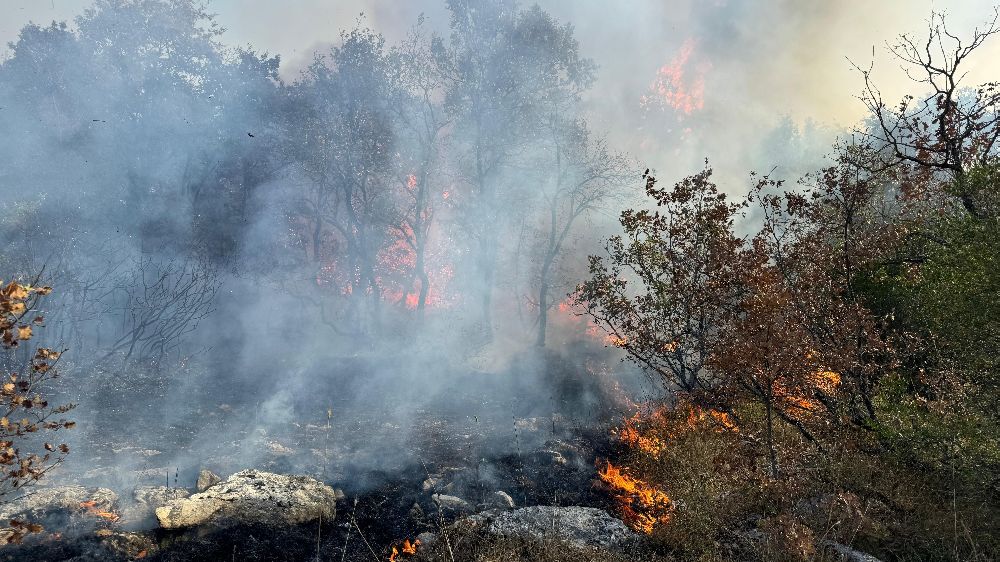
468, 545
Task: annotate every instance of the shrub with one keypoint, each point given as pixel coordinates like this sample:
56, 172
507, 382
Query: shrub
25, 414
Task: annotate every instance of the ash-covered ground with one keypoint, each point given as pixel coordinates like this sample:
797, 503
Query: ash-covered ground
409, 462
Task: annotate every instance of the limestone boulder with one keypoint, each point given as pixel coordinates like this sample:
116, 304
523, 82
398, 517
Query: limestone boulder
253, 496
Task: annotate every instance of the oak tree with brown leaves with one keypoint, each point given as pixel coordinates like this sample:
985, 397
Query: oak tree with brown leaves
664, 288
25, 413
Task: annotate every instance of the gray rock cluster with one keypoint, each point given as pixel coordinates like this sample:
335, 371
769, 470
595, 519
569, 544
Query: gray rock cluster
578, 526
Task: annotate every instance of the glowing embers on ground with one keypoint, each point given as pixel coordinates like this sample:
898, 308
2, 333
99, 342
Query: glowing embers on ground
407, 548
679, 85
92, 509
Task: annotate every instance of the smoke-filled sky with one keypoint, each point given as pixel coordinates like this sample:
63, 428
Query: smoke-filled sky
736, 67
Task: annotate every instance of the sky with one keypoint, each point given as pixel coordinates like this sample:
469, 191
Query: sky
736, 67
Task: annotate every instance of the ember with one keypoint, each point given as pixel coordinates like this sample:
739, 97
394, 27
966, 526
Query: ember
92, 509
407, 548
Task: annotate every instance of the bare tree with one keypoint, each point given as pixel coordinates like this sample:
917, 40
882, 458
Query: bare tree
424, 122
950, 129
586, 174
665, 287
508, 68
347, 150
159, 303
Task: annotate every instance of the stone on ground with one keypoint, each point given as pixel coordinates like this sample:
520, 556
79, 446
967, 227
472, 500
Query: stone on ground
207, 479
252, 496
578, 526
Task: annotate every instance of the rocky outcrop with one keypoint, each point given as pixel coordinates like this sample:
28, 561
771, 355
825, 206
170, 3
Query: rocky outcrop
252, 496
157, 496
81, 504
500, 500
125, 545
578, 526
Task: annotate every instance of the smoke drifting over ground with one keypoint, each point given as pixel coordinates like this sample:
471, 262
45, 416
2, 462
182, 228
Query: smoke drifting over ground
305, 271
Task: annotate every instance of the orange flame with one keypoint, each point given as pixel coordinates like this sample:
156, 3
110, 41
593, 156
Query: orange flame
697, 415
641, 504
398, 261
632, 436
569, 315
615, 341
822, 379
92, 509
408, 548
677, 85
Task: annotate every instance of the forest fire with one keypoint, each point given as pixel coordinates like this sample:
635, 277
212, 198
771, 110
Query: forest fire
823, 381
722, 420
92, 509
678, 85
379, 283
569, 316
399, 281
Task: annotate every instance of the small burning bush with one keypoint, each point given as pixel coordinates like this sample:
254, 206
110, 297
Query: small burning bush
25, 415
694, 460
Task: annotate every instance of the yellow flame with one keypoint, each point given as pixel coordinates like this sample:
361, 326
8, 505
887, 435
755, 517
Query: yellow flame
408, 548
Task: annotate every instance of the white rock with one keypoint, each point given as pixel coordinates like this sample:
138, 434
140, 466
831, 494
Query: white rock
849, 554
155, 496
252, 496
427, 539
502, 500
147, 499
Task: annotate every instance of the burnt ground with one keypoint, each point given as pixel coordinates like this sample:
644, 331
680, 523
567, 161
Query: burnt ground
479, 433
